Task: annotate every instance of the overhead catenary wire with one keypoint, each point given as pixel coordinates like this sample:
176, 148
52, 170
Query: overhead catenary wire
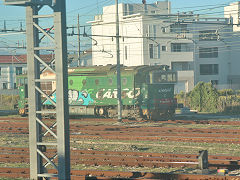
130, 1
114, 22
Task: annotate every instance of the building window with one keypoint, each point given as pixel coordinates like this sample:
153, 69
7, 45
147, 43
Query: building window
4, 85
15, 86
208, 52
149, 30
179, 28
208, 35
151, 51
164, 48
0, 71
126, 55
182, 66
181, 47
154, 31
18, 70
208, 69
163, 29
159, 48
128, 9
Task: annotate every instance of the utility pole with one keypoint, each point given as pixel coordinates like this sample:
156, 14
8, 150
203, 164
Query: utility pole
79, 45
119, 94
42, 136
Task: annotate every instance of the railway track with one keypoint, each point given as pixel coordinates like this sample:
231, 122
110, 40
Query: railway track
193, 120
128, 132
127, 159
91, 174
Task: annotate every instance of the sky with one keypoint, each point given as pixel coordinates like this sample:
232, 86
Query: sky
14, 15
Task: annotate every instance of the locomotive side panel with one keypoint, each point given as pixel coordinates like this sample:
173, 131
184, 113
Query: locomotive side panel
99, 90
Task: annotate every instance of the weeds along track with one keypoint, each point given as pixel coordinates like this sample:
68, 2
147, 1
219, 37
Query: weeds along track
126, 131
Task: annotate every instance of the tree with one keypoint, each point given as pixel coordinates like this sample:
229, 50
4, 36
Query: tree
204, 97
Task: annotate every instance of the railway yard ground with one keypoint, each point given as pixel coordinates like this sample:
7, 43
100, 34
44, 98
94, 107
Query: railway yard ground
134, 149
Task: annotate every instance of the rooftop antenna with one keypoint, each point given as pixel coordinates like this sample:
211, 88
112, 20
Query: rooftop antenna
145, 6
4, 26
21, 27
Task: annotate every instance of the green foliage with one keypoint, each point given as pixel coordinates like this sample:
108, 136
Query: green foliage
226, 92
237, 92
204, 98
229, 104
7, 102
181, 97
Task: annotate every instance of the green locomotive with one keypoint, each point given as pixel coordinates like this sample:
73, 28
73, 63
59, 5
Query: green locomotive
147, 91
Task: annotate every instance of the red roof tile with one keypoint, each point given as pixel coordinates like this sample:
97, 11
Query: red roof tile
21, 59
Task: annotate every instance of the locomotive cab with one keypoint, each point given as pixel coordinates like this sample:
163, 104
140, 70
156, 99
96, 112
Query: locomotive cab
158, 94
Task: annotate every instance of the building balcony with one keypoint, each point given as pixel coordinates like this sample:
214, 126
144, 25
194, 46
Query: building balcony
185, 74
179, 36
180, 56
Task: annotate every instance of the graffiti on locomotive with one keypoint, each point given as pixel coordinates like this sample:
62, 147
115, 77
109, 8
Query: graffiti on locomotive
85, 97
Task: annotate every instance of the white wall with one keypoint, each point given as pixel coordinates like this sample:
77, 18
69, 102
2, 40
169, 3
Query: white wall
104, 52
232, 11
8, 74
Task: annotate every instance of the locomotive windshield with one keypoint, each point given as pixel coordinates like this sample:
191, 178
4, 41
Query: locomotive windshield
157, 77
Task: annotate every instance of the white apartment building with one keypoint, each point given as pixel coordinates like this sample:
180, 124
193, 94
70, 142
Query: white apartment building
13, 65
232, 12
200, 49
10, 67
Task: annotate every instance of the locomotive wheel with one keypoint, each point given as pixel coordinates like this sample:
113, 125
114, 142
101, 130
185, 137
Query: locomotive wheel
101, 111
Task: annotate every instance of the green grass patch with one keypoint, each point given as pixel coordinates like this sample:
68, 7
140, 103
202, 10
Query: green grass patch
14, 140
157, 146
14, 165
128, 169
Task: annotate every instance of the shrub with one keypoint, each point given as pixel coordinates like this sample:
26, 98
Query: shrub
204, 98
226, 92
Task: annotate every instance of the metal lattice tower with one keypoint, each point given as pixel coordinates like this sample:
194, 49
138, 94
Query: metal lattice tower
45, 138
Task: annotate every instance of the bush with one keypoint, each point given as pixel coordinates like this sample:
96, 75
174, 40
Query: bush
204, 98
226, 92
181, 97
229, 104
